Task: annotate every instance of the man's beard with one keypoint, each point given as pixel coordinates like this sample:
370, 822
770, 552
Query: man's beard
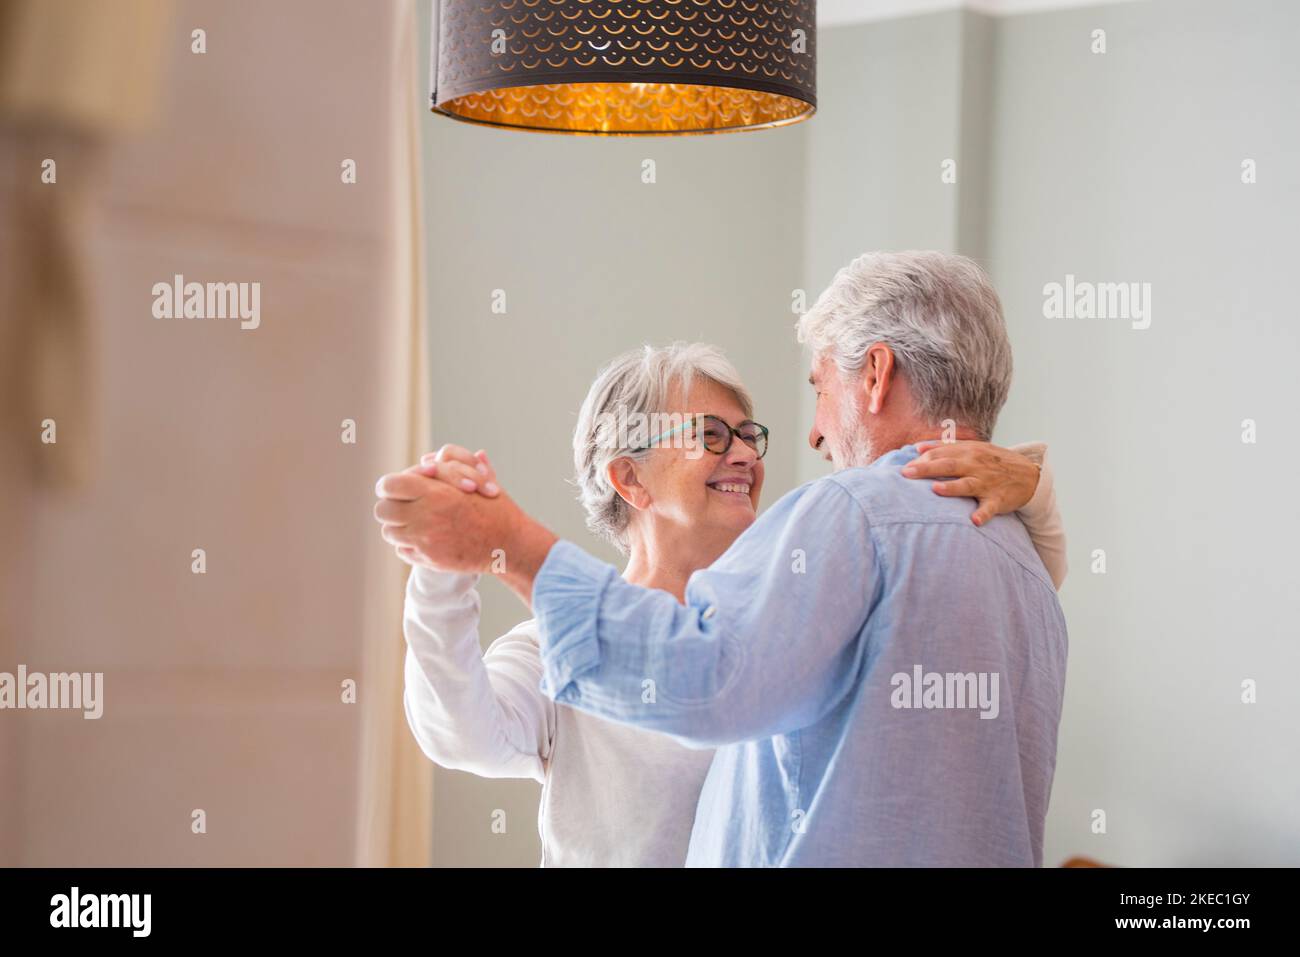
854, 446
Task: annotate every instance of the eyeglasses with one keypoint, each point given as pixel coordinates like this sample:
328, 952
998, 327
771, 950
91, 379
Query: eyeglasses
716, 435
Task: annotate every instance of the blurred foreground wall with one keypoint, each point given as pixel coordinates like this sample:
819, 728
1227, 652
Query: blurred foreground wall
223, 690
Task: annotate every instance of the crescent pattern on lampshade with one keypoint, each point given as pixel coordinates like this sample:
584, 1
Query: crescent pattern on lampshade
625, 66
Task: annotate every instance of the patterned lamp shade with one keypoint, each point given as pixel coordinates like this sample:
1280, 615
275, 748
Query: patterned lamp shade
625, 66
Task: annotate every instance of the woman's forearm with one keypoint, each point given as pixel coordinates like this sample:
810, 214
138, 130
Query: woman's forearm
469, 711
1042, 518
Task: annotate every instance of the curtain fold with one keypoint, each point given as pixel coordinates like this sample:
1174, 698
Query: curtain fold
395, 823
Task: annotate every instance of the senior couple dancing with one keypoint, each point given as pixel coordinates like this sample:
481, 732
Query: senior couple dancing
870, 673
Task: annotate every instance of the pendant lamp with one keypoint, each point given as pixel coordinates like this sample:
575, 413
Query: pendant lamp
620, 67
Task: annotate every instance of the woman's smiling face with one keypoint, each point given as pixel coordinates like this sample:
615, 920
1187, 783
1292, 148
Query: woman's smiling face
690, 490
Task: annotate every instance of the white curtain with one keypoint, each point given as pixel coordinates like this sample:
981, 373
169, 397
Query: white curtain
395, 824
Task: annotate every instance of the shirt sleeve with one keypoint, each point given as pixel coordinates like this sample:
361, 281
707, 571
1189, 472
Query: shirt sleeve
1041, 516
475, 711
765, 643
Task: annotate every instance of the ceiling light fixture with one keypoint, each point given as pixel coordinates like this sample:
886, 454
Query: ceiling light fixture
622, 67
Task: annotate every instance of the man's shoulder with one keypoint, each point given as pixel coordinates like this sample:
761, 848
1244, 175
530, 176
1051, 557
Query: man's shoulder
887, 496
878, 491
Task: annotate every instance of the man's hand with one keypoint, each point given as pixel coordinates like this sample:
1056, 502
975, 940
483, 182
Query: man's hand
1002, 480
431, 516
458, 466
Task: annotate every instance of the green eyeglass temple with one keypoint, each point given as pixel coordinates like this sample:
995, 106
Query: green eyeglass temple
733, 434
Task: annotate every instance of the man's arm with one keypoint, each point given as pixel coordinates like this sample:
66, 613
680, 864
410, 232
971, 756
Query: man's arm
766, 643
530, 543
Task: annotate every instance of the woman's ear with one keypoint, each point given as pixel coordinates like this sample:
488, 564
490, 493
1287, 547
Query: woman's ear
623, 476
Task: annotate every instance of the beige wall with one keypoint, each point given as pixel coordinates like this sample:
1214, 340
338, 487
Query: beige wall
222, 691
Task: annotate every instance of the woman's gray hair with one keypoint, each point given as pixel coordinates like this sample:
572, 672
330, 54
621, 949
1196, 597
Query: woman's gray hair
941, 317
635, 384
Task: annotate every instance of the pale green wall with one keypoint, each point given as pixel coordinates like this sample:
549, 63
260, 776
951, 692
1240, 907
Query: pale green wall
593, 262
1123, 166
1127, 166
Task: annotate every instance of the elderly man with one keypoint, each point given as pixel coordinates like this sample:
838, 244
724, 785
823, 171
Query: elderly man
882, 677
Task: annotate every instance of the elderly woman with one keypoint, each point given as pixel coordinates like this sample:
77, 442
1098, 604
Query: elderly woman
614, 795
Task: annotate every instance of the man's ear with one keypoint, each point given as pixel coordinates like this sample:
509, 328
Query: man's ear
622, 475
877, 376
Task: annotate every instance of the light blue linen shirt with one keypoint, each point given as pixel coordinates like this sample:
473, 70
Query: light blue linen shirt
883, 679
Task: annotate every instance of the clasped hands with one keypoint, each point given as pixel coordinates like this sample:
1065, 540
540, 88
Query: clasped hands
449, 513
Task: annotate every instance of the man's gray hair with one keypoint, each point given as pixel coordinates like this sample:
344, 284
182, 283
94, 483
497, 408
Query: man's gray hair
941, 317
636, 383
